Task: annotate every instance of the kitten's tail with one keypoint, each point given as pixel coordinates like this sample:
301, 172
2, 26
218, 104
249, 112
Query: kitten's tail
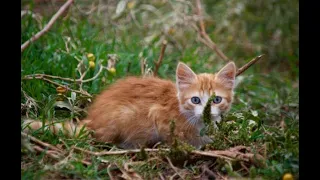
68, 128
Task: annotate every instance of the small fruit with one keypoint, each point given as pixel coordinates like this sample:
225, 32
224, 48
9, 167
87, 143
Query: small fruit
61, 89
112, 71
287, 176
91, 57
92, 64
131, 4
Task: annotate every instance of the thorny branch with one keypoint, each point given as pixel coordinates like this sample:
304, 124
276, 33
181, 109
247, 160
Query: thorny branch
48, 26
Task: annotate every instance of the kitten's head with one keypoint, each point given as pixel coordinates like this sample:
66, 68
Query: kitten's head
195, 90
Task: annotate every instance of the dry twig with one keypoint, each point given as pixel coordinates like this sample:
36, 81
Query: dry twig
158, 63
206, 39
41, 142
174, 168
48, 26
29, 77
250, 63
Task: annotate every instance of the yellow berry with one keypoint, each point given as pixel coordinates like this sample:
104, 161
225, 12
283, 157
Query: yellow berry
131, 4
112, 71
287, 176
61, 89
91, 57
92, 64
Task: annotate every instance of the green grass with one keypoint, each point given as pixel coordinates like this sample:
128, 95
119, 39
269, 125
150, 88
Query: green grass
265, 112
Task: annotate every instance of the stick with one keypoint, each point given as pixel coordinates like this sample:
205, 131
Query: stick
48, 26
41, 143
203, 33
52, 154
158, 63
57, 84
230, 154
250, 63
117, 152
173, 167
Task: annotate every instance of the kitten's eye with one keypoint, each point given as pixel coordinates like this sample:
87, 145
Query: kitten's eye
195, 100
217, 100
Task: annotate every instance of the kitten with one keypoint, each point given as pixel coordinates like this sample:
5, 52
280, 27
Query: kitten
137, 111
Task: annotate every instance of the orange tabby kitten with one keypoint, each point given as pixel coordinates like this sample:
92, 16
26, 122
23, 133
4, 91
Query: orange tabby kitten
137, 111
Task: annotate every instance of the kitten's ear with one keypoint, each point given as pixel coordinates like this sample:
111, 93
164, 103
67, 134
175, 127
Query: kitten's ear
184, 76
227, 75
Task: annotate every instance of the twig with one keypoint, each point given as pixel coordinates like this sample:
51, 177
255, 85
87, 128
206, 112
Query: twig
128, 68
49, 76
57, 84
48, 26
173, 167
94, 77
211, 154
250, 63
41, 143
52, 154
205, 169
117, 152
203, 33
158, 63
109, 172
142, 65
230, 154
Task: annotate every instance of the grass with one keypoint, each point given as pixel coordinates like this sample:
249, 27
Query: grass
265, 112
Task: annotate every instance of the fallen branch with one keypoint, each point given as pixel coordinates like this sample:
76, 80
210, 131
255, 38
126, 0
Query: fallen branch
206, 39
246, 66
231, 154
48, 26
158, 63
41, 142
117, 152
52, 154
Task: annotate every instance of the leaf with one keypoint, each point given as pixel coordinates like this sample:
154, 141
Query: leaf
62, 104
73, 96
121, 7
254, 113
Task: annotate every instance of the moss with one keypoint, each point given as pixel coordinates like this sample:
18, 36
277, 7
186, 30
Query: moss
209, 128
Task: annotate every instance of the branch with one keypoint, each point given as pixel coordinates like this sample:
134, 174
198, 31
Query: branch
231, 154
95, 77
48, 26
117, 152
158, 63
50, 76
55, 83
246, 66
41, 143
203, 33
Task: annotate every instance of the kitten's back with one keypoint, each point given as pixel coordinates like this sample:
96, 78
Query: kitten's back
132, 109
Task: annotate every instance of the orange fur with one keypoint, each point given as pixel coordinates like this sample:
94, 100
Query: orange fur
137, 111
